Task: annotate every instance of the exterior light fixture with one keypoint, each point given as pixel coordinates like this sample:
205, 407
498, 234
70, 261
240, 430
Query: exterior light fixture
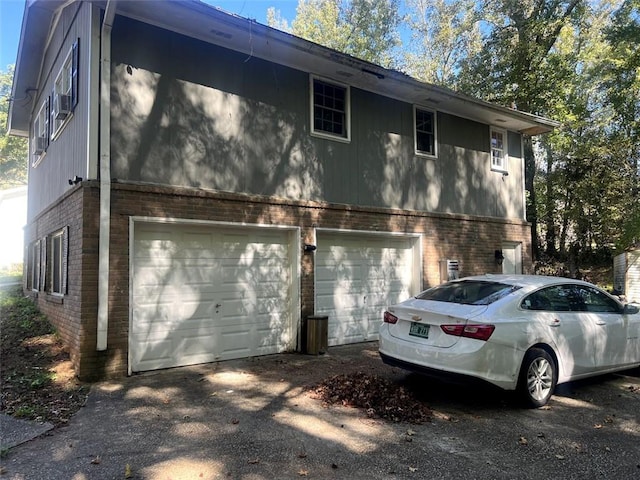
308, 248
499, 257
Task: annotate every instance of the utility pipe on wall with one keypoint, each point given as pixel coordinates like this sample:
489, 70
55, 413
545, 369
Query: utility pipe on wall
105, 175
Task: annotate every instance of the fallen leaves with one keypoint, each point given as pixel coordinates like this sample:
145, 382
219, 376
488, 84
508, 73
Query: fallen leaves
378, 397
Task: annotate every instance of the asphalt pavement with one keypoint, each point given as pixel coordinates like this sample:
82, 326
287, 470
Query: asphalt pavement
254, 419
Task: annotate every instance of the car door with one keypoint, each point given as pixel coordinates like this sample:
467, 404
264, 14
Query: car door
611, 345
562, 317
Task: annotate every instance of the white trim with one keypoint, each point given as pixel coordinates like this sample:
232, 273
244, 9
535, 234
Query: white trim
295, 262
347, 111
105, 177
420, 153
91, 90
523, 166
505, 149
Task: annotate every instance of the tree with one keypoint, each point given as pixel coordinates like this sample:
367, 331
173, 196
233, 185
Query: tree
513, 67
14, 151
444, 33
622, 91
365, 29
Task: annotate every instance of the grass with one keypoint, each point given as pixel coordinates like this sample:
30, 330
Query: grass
36, 374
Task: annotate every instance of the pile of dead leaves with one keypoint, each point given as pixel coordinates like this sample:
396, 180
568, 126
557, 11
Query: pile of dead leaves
37, 377
380, 398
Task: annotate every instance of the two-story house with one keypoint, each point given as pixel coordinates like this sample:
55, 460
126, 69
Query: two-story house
200, 183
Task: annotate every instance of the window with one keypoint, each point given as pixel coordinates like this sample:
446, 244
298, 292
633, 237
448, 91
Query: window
330, 109
498, 149
65, 92
57, 279
34, 266
425, 131
468, 292
40, 134
570, 298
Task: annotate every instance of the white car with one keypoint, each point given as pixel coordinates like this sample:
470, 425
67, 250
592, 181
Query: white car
518, 332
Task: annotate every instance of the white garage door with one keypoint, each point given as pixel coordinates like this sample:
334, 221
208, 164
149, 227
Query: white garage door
358, 276
203, 293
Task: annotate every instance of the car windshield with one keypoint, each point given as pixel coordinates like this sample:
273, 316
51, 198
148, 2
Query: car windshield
468, 292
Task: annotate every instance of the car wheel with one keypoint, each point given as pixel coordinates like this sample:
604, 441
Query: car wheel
538, 377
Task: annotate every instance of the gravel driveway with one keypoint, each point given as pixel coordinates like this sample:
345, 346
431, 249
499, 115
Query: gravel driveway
254, 419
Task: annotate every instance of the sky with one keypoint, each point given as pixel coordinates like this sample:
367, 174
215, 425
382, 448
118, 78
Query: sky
11, 19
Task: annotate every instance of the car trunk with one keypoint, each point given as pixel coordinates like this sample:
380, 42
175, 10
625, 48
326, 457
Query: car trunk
419, 321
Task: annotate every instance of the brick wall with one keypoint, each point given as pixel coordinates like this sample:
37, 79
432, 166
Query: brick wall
471, 240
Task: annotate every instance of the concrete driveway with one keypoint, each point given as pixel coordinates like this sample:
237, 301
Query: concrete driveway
252, 419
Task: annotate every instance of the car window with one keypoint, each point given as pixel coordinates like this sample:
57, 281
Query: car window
596, 301
570, 298
468, 292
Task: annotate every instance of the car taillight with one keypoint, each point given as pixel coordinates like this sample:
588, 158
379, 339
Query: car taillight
479, 332
390, 318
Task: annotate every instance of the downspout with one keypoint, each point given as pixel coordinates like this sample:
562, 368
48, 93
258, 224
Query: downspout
105, 175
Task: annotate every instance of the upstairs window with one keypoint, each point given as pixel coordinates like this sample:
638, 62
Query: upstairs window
40, 133
330, 109
64, 97
498, 150
424, 131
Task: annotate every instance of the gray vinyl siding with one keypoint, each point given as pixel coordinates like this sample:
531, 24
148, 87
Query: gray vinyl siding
192, 114
66, 155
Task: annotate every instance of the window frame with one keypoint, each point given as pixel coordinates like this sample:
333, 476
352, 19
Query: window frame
41, 129
57, 263
35, 257
502, 166
66, 83
346, 113
434, 133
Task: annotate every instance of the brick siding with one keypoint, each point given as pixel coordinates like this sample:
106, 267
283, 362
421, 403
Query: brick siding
471, 240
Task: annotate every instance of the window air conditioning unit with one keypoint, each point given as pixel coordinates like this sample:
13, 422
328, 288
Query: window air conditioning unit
40, 145
62, 106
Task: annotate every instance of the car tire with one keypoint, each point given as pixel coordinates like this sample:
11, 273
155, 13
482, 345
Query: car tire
538, 378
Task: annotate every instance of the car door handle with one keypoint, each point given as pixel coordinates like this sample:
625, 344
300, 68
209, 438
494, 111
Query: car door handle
555, 322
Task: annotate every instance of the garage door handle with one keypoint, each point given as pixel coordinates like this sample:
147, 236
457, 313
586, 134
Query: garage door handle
218, 305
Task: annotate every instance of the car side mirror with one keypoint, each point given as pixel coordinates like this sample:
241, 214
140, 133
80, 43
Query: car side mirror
630, 309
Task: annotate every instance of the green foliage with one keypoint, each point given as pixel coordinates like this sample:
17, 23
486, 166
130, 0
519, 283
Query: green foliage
13, 150
366, 29
22, 313
443, 34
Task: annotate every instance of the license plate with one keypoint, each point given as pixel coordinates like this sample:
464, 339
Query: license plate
419, 330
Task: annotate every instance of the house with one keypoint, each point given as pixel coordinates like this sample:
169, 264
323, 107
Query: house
626, 274
200, 184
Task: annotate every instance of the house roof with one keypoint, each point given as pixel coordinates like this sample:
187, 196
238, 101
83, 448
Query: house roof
196, 19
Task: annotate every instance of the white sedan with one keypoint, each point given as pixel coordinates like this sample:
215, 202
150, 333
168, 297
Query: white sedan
518, 332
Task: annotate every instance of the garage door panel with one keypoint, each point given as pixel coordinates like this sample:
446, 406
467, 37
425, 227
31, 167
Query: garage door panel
201, 294
356, 277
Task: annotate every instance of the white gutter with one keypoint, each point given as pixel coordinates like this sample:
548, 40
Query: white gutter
105, 175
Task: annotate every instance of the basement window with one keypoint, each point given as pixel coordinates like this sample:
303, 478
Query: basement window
330, 110
57, 265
